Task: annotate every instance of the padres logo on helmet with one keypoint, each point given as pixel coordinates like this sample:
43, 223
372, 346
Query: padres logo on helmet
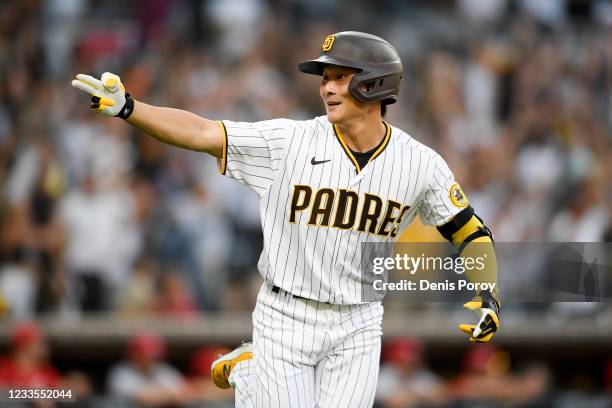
328, 43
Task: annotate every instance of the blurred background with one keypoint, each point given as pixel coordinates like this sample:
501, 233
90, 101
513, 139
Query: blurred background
126, 266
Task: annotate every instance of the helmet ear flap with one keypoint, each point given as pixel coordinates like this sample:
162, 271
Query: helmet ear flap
369, 87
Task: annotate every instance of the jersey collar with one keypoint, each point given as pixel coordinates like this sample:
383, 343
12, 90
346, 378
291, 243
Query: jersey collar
376, 153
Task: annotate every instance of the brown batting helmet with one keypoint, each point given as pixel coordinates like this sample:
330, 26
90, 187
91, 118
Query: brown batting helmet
380, 67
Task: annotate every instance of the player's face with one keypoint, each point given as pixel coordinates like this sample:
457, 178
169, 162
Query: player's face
340, 105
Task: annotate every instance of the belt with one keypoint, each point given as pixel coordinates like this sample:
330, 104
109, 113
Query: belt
276, 289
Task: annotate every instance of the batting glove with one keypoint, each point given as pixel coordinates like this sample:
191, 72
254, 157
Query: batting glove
108, 95
486, 305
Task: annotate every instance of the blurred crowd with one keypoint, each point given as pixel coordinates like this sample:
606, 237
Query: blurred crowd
96, 217
485, 376
143, 378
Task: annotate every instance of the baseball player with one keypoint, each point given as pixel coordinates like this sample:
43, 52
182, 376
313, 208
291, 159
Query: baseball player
325, 185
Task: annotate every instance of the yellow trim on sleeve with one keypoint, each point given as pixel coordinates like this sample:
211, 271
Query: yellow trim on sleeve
223, 159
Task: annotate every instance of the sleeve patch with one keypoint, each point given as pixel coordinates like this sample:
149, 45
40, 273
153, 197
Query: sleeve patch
457, 197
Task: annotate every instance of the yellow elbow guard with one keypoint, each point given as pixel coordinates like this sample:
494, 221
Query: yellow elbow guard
464, 228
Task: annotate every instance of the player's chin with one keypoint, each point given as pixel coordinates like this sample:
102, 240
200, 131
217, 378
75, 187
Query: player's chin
334, 116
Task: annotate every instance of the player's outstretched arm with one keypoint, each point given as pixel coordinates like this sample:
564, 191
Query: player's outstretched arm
172, 126
178, 128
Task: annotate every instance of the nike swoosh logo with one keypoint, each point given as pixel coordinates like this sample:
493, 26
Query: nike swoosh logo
315, 162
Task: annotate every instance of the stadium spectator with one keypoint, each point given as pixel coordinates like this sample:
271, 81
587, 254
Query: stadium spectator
404, 381
485, 376
144, 379
28, 366
17, 286
28, 362
486, 379
102, 241
136, 297
175, 300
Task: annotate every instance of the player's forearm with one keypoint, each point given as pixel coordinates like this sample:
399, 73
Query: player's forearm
178, 128
481, 249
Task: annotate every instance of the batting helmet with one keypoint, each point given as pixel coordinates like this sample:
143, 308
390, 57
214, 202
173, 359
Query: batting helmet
380, 67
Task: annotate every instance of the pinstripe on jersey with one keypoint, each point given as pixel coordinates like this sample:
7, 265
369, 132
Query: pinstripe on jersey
310, 187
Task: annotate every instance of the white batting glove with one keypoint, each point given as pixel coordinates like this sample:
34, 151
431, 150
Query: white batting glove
108, 95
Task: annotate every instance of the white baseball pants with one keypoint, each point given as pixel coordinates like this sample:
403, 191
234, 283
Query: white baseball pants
309, 354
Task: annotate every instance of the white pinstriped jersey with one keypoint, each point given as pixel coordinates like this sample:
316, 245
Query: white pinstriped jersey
317, 205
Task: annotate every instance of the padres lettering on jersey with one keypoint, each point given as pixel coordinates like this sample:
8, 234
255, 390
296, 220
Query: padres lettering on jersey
317, 205
342, 206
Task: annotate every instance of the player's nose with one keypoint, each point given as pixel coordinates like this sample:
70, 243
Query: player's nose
330, 87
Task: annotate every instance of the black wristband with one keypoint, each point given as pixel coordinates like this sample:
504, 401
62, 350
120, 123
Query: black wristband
128, 108
491, 300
